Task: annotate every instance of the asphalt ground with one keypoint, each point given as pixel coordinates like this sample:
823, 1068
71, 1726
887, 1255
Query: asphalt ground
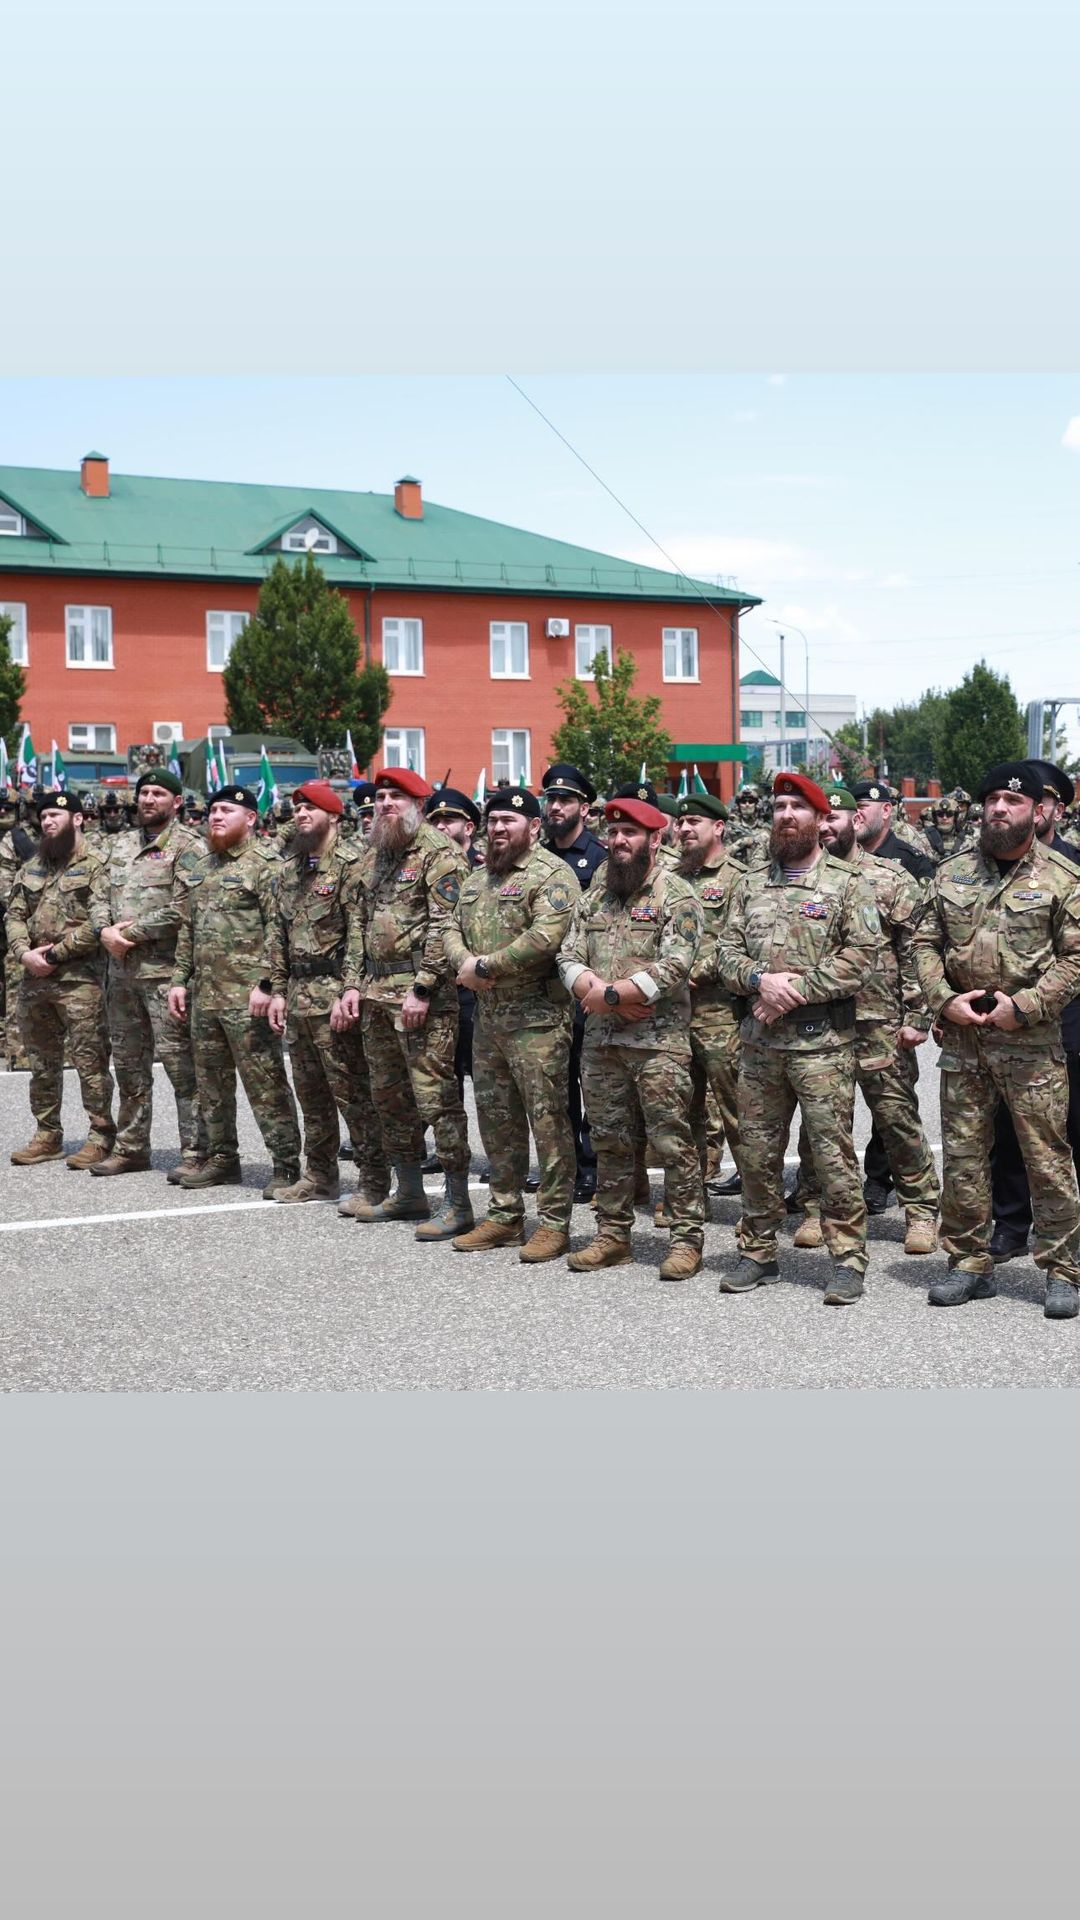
132, 1285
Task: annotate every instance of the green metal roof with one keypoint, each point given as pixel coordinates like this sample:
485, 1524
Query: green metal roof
704, 754
216, 528
759, 679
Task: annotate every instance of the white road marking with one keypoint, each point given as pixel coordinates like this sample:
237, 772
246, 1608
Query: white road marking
168, 1213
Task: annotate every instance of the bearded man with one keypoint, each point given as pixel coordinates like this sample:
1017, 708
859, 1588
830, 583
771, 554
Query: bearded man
396, 968
714, 1020
799, 940
998, 952
58, 906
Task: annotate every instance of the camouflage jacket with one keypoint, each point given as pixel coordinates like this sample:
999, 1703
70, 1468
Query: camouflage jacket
652, 938
396, 938
226, 906
308, 937
712, 885
516, 922
824, 929
1020, 933
893, 995
141, 874
62, 907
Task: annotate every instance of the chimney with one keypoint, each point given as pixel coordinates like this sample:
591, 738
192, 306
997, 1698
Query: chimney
94, 478
407, 498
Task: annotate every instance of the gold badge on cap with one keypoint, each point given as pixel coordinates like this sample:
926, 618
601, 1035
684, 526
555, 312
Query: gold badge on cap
643, 793
875, 793
517, 801
1014, 784
617, 813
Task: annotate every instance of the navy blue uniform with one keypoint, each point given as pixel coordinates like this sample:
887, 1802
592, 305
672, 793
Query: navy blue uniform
583, 857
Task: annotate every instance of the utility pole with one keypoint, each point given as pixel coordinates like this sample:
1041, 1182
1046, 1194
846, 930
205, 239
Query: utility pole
783, 696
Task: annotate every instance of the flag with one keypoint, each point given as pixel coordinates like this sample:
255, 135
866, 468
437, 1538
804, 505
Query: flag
212, 779
644, 774
266, 792
223, 771
59, 771
521, 781
684, 786
27, 761
354, 766
481, 788
3, 763
699, 784
174, 760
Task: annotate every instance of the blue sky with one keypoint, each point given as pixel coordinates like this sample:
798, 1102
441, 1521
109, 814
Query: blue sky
908, 525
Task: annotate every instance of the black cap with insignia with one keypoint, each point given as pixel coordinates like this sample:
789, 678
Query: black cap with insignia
872, 790
513, 800
1054, 781
449, 803
563, 778
1012, 776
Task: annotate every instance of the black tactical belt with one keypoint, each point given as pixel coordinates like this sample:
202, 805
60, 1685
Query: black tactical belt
322, 967
386, 970
839, 1014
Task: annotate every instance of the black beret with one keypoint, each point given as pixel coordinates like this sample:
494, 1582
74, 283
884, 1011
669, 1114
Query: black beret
159, 777
364, 793
563, 778
58, 802
1012, 776
1054, 781
513, 800
450, 803
872, 790
707, 803
237, 797
642, 790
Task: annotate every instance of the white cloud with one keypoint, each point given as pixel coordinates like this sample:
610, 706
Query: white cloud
896, 580
777, 379
744, 416
752, 559
1071, 436
821, 620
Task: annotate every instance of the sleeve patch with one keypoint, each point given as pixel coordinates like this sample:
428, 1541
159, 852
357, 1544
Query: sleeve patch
686, 923
558, 894
448, 889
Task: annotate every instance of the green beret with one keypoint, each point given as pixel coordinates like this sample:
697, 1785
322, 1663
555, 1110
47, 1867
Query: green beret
159, 777
707, 803
840, 799
668, 804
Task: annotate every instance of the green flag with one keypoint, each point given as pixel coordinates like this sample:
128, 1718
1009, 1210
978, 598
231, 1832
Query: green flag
481, 788
211, 777
266, 792
684, 786
59, 771
699, 784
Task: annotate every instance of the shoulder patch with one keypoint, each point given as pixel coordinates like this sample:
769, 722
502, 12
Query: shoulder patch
448, 889
558, 894
685, 922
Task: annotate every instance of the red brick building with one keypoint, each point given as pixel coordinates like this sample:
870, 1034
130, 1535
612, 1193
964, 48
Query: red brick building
127, 592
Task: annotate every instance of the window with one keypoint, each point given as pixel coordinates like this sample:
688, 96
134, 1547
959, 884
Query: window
221, 631
89, 636
509, 650
588, 642
795, 719
90, 737
15, 611
10, 521
680, 653
403, 646
309, 536
510, 756
751, 717
404, 747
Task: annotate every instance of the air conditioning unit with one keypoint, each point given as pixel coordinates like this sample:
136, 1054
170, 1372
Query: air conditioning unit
558, 629
166, 731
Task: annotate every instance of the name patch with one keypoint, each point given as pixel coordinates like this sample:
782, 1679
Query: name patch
1028, 896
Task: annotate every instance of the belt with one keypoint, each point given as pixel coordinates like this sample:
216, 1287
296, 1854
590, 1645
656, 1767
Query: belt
387, 970
318, 967
839, 1014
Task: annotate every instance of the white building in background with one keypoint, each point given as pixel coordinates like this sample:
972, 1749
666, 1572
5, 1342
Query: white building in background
777, 730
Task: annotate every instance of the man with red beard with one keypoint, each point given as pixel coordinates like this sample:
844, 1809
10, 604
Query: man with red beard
800, 938
410, 877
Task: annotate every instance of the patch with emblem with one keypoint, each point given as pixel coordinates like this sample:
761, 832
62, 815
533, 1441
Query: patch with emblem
686, 924
583, 863
643, 914
448, 889
814, 910
871, 920
643, 793
558, 894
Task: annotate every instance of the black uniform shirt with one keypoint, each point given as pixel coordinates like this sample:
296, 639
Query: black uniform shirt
584, 856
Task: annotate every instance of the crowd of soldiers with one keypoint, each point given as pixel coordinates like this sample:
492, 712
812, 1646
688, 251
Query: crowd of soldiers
631, 983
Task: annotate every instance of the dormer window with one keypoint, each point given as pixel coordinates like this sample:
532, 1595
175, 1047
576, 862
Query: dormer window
11, 523
309, 536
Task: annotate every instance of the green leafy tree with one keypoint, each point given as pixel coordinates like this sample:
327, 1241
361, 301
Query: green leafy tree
982, 725
606, 732
293, 668
12, 684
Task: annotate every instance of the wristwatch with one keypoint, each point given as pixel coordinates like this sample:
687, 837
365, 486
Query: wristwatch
755, 979
421, 993
611, 996
266, 986
52, 957
1022, 1017
482, 970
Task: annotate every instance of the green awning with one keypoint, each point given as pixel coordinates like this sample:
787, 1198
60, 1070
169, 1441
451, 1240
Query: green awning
716, 751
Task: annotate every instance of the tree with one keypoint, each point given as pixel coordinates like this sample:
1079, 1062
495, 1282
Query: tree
293, 667
982, 725
12, 684
609, 737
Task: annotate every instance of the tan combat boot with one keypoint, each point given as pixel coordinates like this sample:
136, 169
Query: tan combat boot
682, 1262
661, 1217
607, 1250
189, 1163
114, 1162
90, 1155
488, 1234
407, 1202
921, 1235
545, 1244
309, 1187
43, 1146
218, 1171
810, 1233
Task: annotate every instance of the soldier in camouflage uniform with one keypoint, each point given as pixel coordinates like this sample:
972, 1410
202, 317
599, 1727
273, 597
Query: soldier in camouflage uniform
17, 845
58, 905
141, 944
502, 940
714, 1019
226, 907
1002, 924
800, 938
317, 889
891, 1020
627, 960
410, 878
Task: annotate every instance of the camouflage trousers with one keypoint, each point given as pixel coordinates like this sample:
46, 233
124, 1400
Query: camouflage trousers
1033, 1083
622, 1084
715, 1048
13, 1045
887, 1079
773, 1081
142, 1030
225, 1044
330, 1075
414, 1086
50, 1016
520, 1081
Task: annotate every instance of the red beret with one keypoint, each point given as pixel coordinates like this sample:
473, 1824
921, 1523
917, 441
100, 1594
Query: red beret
798, 783
639, 811
319, 793
405, 780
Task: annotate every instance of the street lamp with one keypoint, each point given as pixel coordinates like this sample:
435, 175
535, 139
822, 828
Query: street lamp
784, 626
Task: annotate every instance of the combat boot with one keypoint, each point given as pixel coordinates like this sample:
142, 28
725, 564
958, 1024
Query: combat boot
921, 1235
187, 1163
353, 1201
607, 1250
407, 1202
662, 1219
810, 1233
682, 1262
845, 1286
955, 1289
90, 1155
1062, 1300
749, 1274
454, 1215
280, 1178
310, 1186
119, 1163
218, 1171
489, 1234
43, 1146
545, 1244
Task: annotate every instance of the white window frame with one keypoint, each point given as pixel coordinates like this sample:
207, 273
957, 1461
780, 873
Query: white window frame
397, 748
85, 616
18, 638
395, 638
502, 743
295, 540
91, 746
674, 636
500, 632
229, 614
18, 527
588, 634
